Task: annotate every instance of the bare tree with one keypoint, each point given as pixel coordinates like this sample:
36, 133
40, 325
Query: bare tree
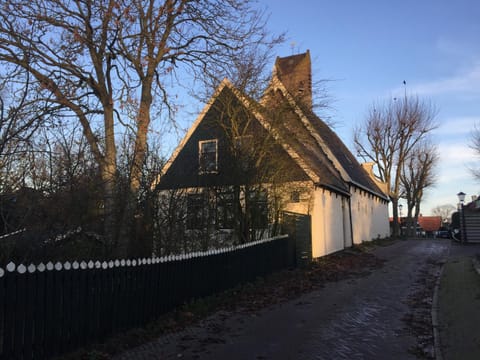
418, 174
21, 115
57, 197
388, 136
475, 144
445, 211
102, 60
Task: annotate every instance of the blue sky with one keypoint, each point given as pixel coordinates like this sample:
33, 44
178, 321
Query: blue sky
370, 47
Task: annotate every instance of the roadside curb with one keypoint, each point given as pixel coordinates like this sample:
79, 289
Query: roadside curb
435, 310
476, 265
435, 322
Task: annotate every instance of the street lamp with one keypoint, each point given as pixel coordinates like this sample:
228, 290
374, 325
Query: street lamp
463, 233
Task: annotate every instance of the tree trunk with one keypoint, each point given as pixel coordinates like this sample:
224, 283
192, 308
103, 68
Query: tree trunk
131, 233
411, 228
109, 173
109, 207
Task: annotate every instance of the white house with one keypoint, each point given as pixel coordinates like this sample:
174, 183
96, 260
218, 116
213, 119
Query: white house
345, 201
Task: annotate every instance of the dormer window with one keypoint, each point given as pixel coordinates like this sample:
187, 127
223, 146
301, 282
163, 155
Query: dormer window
301, 87
208, 156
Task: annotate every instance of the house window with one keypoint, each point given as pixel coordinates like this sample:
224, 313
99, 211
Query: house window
225, 210
295, 197
196, 211
301, 87
258, 209
208, 156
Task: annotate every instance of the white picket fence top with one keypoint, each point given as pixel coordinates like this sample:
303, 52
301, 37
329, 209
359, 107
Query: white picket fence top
83, 265
12, 233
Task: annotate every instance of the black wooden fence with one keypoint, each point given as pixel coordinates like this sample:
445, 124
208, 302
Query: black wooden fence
51, 309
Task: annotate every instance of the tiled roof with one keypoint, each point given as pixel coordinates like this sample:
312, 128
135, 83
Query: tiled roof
294, 133
430, 223
325, 152
342, 154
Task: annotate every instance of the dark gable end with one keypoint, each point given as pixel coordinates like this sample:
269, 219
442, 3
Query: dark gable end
225, 111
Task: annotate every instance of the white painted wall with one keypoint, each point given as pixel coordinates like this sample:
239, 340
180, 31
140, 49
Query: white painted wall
330, 214
369, 216
328, 230
381, 224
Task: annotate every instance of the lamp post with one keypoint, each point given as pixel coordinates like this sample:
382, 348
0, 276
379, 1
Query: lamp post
463, 233
400, 207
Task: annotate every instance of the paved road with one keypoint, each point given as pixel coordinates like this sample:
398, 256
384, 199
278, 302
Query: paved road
360, 318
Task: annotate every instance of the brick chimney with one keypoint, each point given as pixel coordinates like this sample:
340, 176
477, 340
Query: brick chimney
295, 72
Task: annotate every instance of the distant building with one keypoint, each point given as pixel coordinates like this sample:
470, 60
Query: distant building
430, 224
426, 225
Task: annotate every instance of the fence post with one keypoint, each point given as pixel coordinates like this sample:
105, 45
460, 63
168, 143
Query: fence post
2, 311
39, 339
30, 313
10, 321
67, 307
76, 306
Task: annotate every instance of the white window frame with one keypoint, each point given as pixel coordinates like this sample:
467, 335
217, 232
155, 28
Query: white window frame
200, 153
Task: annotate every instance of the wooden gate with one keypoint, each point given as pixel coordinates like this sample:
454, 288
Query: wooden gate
298, 226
